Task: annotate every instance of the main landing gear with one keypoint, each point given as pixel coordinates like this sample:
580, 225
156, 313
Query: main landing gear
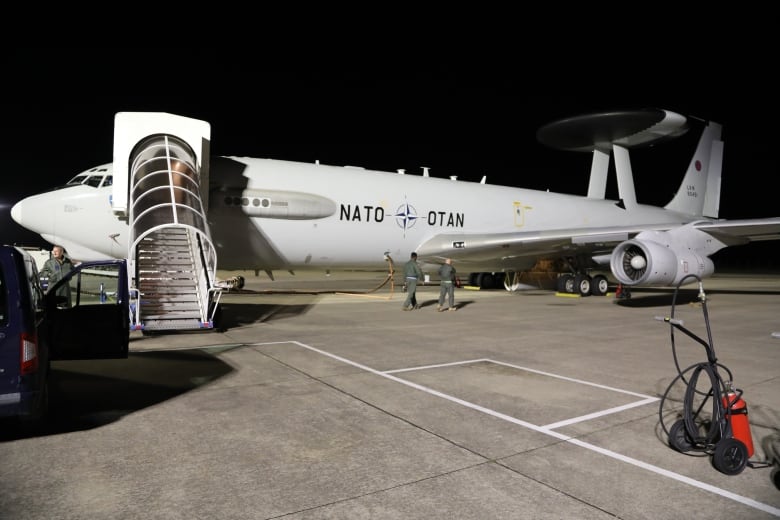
583, 284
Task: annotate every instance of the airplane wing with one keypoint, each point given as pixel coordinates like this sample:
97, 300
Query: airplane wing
515, 247
736, 232
519, 248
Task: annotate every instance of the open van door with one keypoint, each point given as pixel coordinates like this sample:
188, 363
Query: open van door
87, 312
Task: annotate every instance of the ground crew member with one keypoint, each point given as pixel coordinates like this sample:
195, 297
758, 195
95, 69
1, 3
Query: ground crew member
447, 285
412, 272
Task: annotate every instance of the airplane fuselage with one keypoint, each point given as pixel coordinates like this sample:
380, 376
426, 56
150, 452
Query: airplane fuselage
267, 214
177, 215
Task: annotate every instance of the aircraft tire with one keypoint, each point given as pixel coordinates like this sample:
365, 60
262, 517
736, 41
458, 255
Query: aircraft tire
582, 284
599, 286
566, 283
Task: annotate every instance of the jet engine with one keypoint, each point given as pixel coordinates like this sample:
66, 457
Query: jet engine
658, 258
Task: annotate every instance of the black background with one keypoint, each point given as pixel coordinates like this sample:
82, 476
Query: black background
458, 110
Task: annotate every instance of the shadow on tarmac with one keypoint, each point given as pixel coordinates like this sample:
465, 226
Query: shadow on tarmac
639, 300
434, 302
89, 394
655, 297
240, 314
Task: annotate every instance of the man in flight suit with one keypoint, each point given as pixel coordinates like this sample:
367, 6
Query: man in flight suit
412, 272
447, 281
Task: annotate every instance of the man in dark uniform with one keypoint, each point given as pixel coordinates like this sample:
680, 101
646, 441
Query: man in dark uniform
412, 272
447, 281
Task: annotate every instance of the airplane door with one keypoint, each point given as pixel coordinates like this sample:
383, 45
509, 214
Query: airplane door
87, 312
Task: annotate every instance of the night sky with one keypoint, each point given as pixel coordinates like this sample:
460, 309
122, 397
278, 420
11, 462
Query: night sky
467, 114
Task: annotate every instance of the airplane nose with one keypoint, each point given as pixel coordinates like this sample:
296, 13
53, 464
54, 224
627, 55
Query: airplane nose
34, 213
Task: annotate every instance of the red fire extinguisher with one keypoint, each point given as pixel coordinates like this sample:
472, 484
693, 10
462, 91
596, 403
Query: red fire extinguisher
736, 408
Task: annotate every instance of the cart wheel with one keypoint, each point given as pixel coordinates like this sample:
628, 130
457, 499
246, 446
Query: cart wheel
730, 456
679, 438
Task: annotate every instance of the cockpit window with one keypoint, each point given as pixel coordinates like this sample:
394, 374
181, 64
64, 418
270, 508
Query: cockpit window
78, 179
95, 180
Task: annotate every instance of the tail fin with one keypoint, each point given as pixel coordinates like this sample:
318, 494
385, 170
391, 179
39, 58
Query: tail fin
699, 192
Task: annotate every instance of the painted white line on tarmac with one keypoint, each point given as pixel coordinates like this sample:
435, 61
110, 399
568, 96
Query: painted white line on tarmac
567, 422
602, 413
441, 365
580, 381
541, 429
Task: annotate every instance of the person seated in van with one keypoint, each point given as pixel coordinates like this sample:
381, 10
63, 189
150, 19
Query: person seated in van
55, 269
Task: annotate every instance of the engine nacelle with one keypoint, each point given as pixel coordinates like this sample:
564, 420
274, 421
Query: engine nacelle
657, 262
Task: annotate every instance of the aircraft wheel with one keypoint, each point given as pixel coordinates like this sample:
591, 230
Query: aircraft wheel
678, 437
730, 456
599, 286
486, 281
582, 284
566, 283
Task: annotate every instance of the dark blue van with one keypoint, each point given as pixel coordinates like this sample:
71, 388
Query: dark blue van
36, 327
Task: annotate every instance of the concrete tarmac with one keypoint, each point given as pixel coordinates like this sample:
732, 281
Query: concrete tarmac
320, 403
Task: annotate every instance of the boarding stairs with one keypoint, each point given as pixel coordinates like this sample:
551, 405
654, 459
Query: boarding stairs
172, 261
168, 280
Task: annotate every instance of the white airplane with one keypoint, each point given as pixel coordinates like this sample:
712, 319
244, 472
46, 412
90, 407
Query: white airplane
150, 206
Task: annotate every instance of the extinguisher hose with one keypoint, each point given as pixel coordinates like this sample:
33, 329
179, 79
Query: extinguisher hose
717, 386
689, 413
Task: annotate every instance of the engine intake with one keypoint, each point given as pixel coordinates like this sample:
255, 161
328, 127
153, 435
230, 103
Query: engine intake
647, 262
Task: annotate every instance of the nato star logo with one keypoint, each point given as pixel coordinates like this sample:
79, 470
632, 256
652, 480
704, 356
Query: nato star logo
405, 216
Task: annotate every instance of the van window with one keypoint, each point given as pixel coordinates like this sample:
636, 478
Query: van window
94, 286
36, 292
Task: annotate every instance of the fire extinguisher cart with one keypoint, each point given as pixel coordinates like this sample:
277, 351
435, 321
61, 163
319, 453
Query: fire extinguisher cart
714, 416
